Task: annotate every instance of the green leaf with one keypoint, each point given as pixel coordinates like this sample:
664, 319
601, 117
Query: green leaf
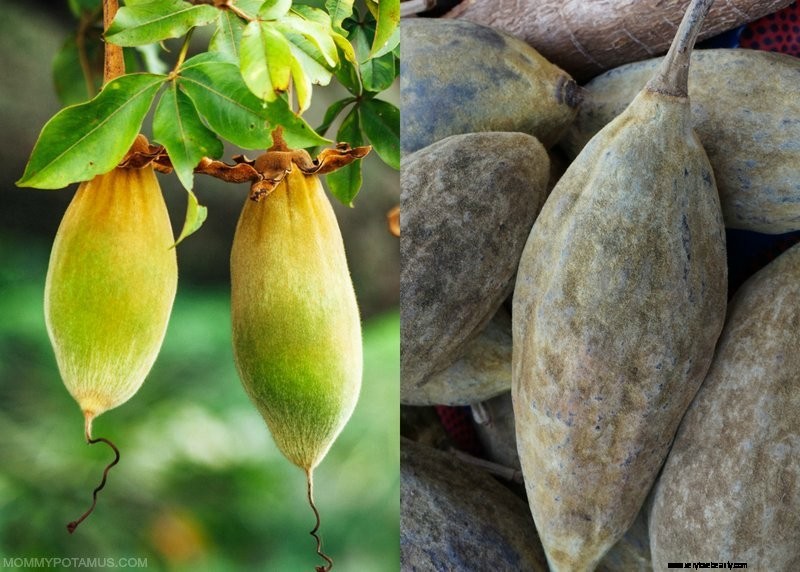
379, 73
274, 9
296, 131
387, 31
345, 183
158, 20
225, 102
381, 123
266, 60
68, 75
250, 7
177, 126
361, 38
332, 113
339, 10
228, 34
300, 22
85, 140
196, 215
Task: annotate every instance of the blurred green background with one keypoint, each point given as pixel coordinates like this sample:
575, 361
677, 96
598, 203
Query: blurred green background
201, 485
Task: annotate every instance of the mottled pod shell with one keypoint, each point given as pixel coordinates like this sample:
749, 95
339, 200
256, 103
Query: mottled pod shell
110, 287
619, 300
481, 373
730, 489
467, 205
457, 518
746, 113
296, 326
459, 77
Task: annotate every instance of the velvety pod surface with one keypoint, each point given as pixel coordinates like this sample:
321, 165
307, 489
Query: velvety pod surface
467, 205
459, 77
455, 517
745, 111
619, 300
296, 326
730, 489
110, 287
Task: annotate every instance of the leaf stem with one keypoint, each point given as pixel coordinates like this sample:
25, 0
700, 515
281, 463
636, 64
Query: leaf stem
184, 51
229, 5
114, 64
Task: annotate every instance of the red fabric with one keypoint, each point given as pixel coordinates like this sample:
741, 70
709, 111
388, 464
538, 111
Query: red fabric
778, 32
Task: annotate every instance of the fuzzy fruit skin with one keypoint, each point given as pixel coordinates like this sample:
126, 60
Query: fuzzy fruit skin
296, 326
730, 489
110, 286
619, 300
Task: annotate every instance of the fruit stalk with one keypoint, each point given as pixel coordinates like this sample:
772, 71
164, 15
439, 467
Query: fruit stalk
114, 61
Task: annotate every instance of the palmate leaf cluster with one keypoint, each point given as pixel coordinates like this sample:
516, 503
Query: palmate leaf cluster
263, 59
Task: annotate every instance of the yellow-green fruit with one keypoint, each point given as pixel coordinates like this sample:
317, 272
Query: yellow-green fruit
110, 287
296, 328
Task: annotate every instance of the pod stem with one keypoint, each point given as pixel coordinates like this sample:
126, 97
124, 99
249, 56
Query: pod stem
88, 430
320, 553
672, 77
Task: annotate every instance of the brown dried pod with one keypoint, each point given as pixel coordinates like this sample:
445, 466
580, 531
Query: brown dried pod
481, 373
467, 205
619, 300
744, 110
588, 38
730, 489
459, 77
455, 517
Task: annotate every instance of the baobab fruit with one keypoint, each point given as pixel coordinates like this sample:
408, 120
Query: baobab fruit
110, 286
296, 326
459, 77
483, 372
729, 489
457, 517
467, 205
619, 301
744, 111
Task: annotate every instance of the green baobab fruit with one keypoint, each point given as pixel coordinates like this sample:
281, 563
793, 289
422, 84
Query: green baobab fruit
744, 110
110, 286
619, 301
730, 489
109, 291
296, 326
459, 77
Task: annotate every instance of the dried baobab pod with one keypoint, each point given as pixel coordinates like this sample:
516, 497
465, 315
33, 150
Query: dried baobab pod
744, 110
588, 38
459, 77
457, 517
109, 291
481, 373
619, 300
729, 489
296, 325
467, 205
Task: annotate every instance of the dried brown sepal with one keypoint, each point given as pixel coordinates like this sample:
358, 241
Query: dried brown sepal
264, 173
393, 220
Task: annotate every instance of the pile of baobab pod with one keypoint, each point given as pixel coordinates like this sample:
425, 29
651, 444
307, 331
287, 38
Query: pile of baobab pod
571, 269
